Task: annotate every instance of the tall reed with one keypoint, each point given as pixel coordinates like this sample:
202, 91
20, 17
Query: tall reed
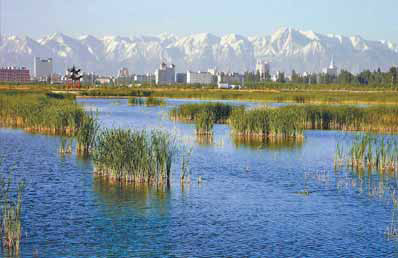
149, 102
204, 123
268, 123
373, 152
86, 134
136, 101
189, 112
134, 156
11, 226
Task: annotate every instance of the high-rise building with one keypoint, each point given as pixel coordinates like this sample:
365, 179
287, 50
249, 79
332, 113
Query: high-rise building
181, 78
14, 74
123, 73
199, 78
42, 68
263, 68
165, 74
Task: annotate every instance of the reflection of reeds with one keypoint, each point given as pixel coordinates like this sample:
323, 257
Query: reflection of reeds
205, 139
134, 195
259, 142
392, 229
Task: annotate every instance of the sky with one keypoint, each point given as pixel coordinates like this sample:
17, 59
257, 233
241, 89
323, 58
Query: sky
371, 19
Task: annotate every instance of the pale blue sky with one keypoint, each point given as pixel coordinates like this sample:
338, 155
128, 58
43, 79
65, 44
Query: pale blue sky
369, 18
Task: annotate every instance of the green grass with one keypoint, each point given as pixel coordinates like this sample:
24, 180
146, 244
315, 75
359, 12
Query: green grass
349, 118
189, 112
40, 113
134, 156
326, 94
268, 123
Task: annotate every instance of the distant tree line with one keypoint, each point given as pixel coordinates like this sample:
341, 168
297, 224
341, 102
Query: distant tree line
345, 77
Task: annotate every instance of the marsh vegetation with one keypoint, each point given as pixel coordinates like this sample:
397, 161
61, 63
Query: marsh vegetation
149, 102
134, 156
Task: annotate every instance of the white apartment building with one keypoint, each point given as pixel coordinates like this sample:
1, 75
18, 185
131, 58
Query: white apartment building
144, 78
165, 74
199, 78
42, 68
263, 68
123, 73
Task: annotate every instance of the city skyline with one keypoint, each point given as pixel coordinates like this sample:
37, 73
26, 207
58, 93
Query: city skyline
372, 20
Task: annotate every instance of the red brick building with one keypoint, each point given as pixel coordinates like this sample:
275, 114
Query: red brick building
14, 74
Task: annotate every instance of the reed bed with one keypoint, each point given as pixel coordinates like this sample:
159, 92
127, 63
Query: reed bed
41, 113
378, 153
149, 102
349, 118
86, 134
189, 112
204, 123
136, 101
134, 156
153, 102
268, 123
11, 226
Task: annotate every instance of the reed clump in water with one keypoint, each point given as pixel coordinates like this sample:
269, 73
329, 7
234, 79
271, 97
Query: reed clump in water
11, 226
86, 134
136, 101
204, 123
373, 152
149, 102
66, 146
153, 102
134, 156
268, 123
189, 112
41, 114
349, 118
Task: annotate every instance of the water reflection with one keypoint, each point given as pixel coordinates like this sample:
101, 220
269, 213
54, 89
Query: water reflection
267, 143
141, 198
205, 140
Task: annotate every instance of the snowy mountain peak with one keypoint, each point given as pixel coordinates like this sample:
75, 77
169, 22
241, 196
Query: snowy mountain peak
287, 49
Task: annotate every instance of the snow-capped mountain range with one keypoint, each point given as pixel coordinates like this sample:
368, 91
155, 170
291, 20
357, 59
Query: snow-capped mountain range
286, 49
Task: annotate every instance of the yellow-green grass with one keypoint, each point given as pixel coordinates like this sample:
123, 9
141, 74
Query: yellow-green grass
38, 112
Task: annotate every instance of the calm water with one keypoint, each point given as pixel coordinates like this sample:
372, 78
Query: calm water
249, 203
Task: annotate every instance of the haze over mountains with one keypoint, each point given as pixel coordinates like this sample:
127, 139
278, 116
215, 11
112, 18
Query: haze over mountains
286, 48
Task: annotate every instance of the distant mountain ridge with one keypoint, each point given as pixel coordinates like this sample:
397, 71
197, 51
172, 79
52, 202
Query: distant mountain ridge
286, 48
